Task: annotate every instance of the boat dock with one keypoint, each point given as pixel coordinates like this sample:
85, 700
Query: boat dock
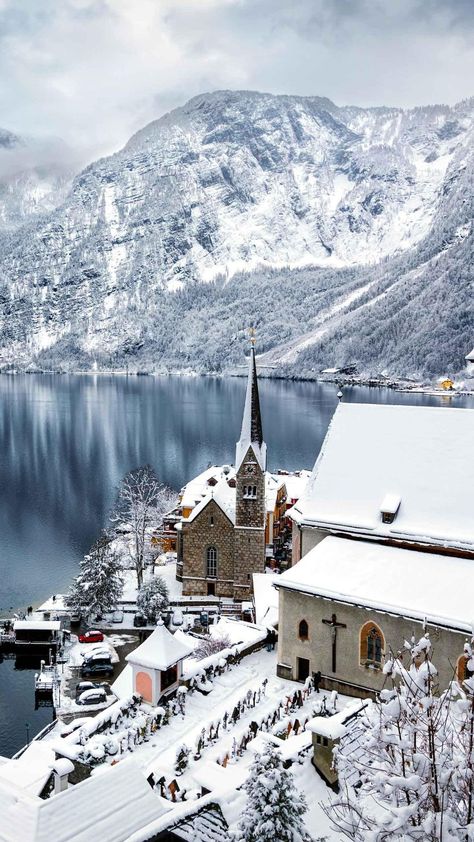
48, 685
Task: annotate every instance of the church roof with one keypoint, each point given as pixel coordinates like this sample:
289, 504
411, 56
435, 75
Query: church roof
398, 581
421, 456
470, 357
223, 494
159, 651
251, 434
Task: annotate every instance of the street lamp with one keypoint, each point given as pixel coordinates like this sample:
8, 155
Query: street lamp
27, 733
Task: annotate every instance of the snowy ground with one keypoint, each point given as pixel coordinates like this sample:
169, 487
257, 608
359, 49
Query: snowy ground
158, 755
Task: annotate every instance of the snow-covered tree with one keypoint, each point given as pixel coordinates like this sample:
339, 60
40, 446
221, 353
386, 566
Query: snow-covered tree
275, 809
153, 598
99, 585
210, 645
411, 777
141, 504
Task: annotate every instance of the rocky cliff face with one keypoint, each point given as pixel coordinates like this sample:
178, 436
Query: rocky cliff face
235, 182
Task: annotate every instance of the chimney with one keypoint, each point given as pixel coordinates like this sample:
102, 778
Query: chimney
62, 768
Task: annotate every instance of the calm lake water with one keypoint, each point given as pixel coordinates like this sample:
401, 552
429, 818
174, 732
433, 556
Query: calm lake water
65, 443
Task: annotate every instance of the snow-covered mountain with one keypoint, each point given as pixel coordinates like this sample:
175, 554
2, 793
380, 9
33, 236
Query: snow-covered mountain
286, 204
35, 176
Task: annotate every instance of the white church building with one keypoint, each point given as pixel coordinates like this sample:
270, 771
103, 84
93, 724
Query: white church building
383, 540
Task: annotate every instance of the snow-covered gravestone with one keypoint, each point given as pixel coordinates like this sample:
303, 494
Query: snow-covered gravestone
157, 664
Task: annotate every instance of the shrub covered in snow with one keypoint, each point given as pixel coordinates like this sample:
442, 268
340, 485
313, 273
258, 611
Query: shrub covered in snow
212, 645
153, 598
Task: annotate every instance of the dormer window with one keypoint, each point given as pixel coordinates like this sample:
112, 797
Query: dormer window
389, 507
212, 481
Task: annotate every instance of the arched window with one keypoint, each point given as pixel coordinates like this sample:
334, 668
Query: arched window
372, 646
462, 670
303, 630
211, 562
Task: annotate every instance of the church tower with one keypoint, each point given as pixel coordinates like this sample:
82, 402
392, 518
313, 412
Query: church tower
250, 465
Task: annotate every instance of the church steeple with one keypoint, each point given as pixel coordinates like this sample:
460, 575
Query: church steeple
251, 434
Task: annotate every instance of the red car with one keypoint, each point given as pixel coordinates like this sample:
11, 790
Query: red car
91, 637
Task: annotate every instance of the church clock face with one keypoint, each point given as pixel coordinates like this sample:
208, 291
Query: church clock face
250, 469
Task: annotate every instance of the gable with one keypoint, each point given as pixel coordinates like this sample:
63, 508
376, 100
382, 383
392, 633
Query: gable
417, 461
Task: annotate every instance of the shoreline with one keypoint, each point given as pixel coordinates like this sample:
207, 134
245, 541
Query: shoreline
397, 384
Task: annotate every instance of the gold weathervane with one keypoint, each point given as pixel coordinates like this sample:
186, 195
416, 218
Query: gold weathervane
253, 336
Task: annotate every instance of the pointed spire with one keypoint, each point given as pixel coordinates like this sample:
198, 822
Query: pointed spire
251, 433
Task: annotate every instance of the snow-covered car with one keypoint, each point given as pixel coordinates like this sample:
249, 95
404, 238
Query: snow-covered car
83, 686
95, 696
177, 617
117, 617
97, 665
91, 636
139, 620
75, 618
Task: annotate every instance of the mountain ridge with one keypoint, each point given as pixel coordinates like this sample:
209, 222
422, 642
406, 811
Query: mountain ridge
327, 200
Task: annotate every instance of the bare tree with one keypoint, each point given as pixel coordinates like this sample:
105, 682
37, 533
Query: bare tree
411, 775
141, 505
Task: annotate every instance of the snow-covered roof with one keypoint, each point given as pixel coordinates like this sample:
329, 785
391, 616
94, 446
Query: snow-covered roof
470, 357
160, 650
237, 631
110, 806
334, 727
199, 486
36, 625
422, 455
223, 494
295, 483
265, 598
212, 776
32, 769
402, 582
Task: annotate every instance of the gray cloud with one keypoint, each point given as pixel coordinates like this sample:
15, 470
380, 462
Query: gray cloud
94, 71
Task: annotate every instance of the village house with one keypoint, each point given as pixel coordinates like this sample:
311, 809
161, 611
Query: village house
233, 518
385, 538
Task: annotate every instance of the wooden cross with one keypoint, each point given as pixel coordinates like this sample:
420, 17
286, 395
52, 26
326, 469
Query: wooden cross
334, 626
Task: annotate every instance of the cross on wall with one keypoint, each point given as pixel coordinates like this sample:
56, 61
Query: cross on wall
334, 626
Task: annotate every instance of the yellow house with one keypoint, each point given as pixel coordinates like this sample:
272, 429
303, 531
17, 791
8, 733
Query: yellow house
447, 384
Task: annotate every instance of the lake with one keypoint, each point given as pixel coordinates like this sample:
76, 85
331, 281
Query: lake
66, 441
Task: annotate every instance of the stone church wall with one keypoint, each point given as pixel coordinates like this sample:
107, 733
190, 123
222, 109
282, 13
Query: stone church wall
352, 677
211, 527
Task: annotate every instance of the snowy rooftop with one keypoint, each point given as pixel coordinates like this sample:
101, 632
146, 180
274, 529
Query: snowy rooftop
406, 582
31, 770
423, 456
199, 487
224, 496
36, 625
160, 650
97, 808
295, 483
334, 726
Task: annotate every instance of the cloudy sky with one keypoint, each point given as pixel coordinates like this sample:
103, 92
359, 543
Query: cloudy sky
93, 71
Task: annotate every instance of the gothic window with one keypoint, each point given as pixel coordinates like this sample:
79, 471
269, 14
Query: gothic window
211, 562
462, 670
372, 645
250, 492
303, 630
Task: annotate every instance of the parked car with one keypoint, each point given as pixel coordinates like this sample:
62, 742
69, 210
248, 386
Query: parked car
117, 617
95, 696
91, 636
96, 652
82, 686
139, 620
75, 618
97, 666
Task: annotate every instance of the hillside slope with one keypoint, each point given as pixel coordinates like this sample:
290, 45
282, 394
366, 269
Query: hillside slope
344, 232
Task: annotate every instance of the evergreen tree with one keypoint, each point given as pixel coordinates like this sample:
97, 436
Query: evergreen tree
99, 585
153, 598
274, 811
